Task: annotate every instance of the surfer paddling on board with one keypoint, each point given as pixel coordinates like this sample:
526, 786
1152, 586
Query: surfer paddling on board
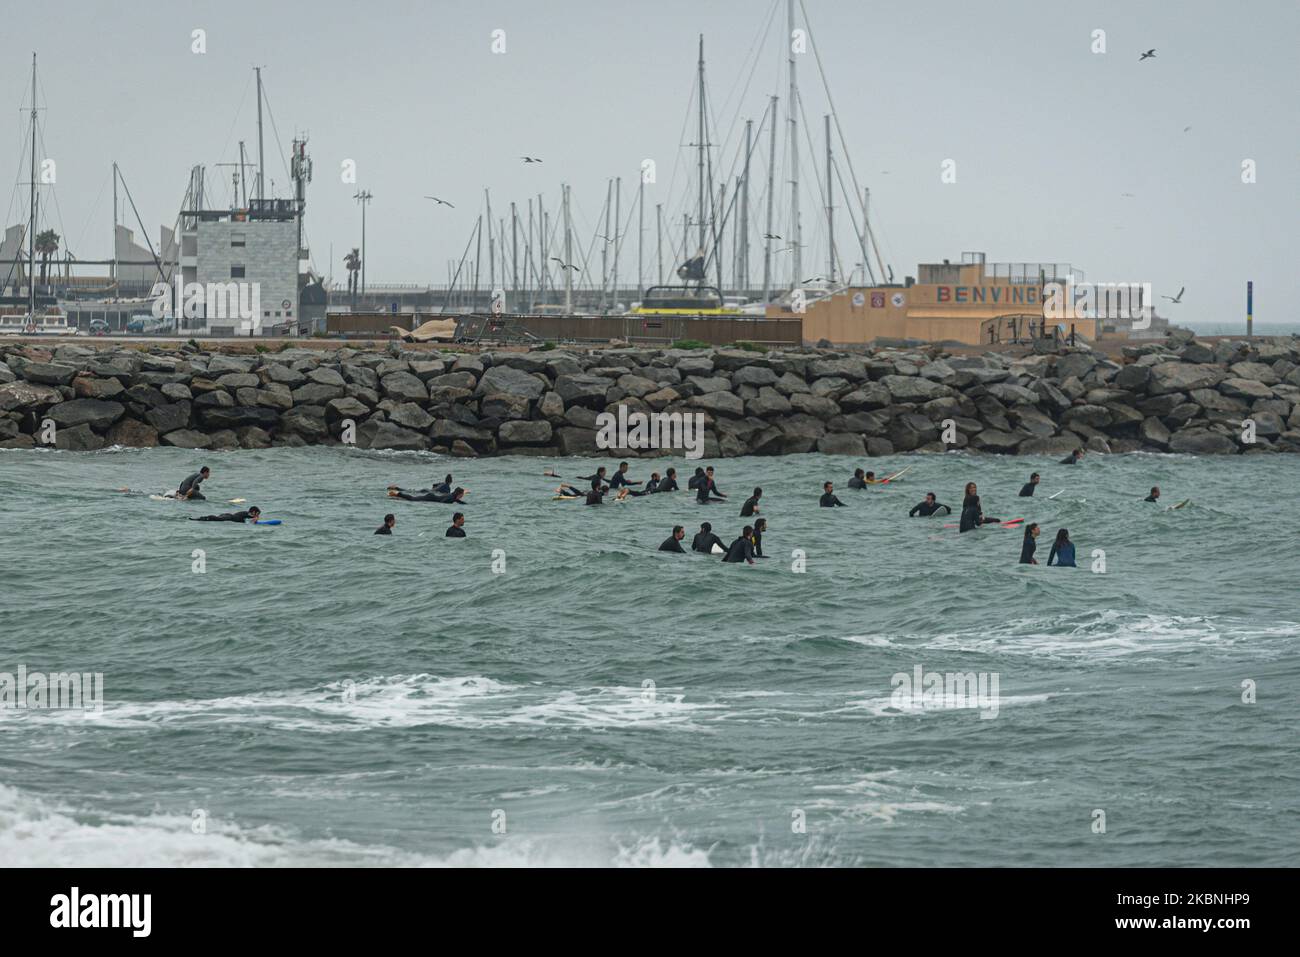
829, 499
1155, 494
252, 513
455, 497
1028, 545
596, 480
387, 528
673, 543
705, 541
1027, 490
972, 512
928, 507
742, 549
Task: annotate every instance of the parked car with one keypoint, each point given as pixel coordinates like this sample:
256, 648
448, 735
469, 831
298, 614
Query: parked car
99, 327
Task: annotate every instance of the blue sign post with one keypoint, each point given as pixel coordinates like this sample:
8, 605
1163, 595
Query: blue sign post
1250, 307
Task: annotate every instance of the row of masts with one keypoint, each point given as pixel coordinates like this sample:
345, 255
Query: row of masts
709, 223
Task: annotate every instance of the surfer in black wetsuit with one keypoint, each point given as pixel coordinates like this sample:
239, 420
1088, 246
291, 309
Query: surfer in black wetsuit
189, 488
252, 513
760, 526
1027, 490
1074, 458
595, 480
457, 527
442, 487
669, 483
829, 499
620, 477
455, 497
706, 491
972, 512
651, 486
1155, 494
742, 549
387, 528
859, 480
928, 507
673, 543
751, 504
704, 540
597, 494
696, 479
1028, 545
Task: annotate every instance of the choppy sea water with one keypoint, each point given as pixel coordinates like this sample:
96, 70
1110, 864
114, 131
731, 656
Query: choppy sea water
321, 695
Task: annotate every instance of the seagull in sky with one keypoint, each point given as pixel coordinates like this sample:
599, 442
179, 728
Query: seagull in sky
441, 202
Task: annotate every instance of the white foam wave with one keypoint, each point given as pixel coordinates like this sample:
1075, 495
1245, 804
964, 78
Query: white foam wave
398, 701
34, 833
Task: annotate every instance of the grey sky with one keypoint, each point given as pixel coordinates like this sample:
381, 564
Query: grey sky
1046, 135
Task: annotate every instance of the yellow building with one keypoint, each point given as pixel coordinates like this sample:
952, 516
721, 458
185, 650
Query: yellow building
972, 302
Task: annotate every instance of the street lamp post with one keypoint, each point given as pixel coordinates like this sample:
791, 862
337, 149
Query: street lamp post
363, 197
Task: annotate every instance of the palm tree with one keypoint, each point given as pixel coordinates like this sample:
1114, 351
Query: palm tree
353, 261
47, 244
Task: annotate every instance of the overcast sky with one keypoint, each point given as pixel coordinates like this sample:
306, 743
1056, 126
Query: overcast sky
1046, 135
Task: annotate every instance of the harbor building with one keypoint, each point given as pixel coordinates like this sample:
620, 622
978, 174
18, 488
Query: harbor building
257, 246
973, 302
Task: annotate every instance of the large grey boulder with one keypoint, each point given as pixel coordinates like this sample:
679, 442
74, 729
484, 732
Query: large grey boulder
49, 373
582, 389
96, 413
512, 381
187, 439
405, 387
524, 433
1202, 442
725, 403
1183, 377
913, 388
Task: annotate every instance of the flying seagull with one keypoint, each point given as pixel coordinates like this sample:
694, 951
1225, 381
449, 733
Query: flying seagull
771, 236
530, 159
441, 202
1177, 298
1149, 55
1187, 129
564, 265
1127, 194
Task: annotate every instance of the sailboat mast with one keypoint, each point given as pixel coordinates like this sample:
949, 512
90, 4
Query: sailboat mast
114, 267
743, 235
261, 156
796, 253
830, 209
568, 255
771, 197
700, 148
31, 225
